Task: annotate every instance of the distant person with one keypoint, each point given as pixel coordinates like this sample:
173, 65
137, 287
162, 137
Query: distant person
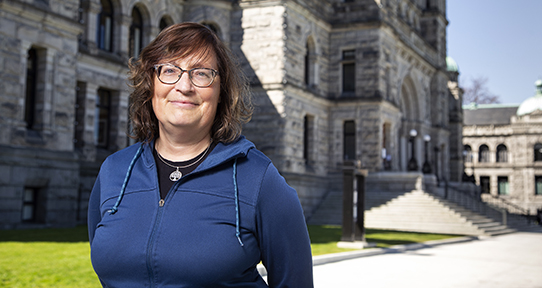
193, 203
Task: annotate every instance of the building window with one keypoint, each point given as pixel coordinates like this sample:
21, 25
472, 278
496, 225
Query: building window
310, 62
78, 125
31, 84
538, 185
30, 196
349, 71
349, 141
503, 187
483, 154
102, 118
467, 154
136, 33
308, 137
502, 153
538, 152
485, 184
211, 26
104, 38
164, 23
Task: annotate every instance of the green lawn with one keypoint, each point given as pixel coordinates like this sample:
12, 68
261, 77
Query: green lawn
46, 258
60, 257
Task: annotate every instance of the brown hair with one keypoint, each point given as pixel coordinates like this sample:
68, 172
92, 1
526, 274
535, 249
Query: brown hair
181, 40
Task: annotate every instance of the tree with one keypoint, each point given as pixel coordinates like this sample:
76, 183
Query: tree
476, 91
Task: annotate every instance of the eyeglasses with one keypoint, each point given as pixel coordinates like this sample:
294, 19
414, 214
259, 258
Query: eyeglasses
199, 77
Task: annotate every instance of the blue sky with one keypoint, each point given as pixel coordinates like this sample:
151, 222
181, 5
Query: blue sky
500, 40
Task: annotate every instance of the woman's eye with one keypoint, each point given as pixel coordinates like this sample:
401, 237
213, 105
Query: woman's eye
202, 74
169, 71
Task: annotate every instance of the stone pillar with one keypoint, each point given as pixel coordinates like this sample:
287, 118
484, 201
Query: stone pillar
353, 228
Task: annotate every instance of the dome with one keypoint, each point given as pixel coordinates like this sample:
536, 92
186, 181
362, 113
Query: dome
451, 65
532, 104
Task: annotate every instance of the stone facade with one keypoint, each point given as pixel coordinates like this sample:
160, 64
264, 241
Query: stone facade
330, 80
503, 152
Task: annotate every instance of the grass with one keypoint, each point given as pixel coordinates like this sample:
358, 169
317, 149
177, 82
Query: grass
46, 258
61, 257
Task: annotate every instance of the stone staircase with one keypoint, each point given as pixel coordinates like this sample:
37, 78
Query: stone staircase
416, 211
419, 211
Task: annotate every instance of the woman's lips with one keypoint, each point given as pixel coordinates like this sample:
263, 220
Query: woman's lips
182, 103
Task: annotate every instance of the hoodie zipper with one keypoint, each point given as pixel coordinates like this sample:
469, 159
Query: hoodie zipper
150, 247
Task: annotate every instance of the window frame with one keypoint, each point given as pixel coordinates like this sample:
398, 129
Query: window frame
102, 121
503, 185
483, 154
135, 40
348, 62
501, 154
349, 140
104, 27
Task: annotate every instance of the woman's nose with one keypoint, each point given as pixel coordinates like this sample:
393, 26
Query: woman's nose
184, 84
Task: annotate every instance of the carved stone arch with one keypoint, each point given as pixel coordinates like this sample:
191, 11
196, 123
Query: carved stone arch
409, 100
140, 29
310, 60
213, 26
165, 21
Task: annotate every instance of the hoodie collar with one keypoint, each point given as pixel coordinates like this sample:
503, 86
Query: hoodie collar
221, 153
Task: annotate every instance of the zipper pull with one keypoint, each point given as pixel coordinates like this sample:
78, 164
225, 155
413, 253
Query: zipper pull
161, 203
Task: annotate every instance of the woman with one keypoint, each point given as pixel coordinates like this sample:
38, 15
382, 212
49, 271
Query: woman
193, 204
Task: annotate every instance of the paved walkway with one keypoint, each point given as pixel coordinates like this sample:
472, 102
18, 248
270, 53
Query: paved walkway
506, 261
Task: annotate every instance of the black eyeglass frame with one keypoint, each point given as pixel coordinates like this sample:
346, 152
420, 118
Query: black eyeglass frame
158, 68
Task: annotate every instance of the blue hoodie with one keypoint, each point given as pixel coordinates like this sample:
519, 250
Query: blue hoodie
212, 229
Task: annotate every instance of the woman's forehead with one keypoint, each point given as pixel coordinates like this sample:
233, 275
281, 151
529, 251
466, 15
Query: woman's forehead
205, 60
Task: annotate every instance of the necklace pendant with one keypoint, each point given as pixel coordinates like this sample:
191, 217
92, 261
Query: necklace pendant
175, 175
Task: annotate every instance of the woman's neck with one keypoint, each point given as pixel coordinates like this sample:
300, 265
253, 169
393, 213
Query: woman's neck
180, 148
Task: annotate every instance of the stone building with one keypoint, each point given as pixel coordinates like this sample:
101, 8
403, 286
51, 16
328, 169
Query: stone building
503, 151
333, 80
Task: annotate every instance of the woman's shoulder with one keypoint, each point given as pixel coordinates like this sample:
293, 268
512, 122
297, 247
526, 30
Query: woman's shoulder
124, 155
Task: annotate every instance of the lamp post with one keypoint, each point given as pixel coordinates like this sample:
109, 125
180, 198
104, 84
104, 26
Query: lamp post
426, 166
412, 163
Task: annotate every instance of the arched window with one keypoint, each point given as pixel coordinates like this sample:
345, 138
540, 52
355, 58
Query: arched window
310, 62
104, 37
538, 152
502, 153
467, 154
213, 27
136, 33
165, 21
483, 153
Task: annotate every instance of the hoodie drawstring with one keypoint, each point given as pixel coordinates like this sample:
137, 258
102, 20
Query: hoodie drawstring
237, 229
125, 183
236, 192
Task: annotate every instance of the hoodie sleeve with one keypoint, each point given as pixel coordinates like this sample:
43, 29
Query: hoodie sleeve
94, 215
284, 240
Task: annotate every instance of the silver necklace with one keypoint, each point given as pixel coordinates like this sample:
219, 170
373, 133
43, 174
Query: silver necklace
176, 175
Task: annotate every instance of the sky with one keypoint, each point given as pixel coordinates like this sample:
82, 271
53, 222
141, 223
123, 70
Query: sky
500, 40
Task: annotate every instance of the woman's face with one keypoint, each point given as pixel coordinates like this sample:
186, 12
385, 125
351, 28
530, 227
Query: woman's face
183, 106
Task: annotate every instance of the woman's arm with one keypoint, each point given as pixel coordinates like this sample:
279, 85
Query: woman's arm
94, 214
282, 232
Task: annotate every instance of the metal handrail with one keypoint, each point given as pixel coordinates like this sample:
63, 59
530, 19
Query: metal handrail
505, 204
473, 200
